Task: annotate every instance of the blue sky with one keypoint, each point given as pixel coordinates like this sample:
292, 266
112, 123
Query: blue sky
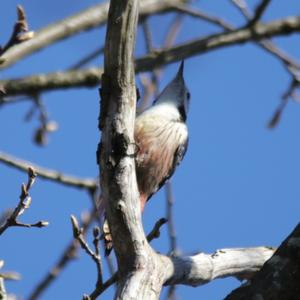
238, 185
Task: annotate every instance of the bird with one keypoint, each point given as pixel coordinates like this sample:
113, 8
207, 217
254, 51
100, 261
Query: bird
161, 138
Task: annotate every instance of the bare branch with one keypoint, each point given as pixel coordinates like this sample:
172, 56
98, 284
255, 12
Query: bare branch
279, 277
52, 175
260, 9
24, 203
6, 276
45, 82
291, 65
289, 94
90, 77
153, 234
86, 59
90, 18
78, 235
45, 125
67, 256
20, 33
150, 85
202, 268
3, 294
171, 227
196, 13
171, 232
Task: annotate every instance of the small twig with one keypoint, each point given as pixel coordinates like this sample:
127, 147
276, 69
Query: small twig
10, 276
4, 215
87, 19
67, 256
260, 9
53, 175
151, 86
77, 233
46, 126
196, 13
171, 294
86, 59
20, 32
153, 234
290, 93
24, 203
6, 276
3, 294
170, 218
291, 65
147, 35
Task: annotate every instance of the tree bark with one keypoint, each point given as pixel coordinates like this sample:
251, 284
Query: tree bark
279, 278
117, 150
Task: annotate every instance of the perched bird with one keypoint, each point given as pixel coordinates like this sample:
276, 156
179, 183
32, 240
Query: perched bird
161, 136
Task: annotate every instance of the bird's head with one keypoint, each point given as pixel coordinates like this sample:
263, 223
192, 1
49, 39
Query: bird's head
176, 93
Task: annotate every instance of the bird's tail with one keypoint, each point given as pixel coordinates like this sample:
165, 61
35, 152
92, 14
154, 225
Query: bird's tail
108, 243
106, 236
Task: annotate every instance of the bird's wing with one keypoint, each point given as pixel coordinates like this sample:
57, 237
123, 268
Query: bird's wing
178, 157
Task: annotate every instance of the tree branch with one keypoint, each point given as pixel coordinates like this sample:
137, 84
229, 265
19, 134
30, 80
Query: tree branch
202, 268
67, 256
91, 77
118, 180
196, 13
20, 32
260, 9
90, 18
153, 234
52, 175
291, 65
24, 203
95, 256
279, 277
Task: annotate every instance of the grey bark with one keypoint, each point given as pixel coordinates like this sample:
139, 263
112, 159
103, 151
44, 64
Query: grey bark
141, 271
118, 180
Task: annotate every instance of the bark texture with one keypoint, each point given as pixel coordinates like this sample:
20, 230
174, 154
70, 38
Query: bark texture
117, 150
279, 278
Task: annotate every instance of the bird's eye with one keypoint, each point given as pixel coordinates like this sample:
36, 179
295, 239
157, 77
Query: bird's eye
188, 95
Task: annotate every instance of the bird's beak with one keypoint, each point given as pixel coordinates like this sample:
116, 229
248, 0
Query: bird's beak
180, 70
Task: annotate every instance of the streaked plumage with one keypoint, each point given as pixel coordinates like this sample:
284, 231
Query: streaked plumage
161, 136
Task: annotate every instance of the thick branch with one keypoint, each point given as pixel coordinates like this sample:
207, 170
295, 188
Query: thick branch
279, 278
90, 18
202, 268
118, 180
153, 234
90, 77
48, 174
